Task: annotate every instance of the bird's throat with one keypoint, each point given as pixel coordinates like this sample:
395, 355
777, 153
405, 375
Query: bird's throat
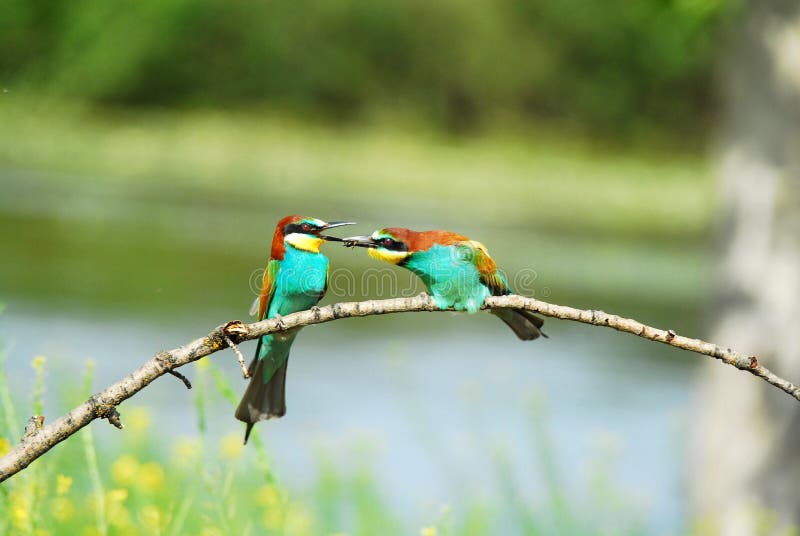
304, 242
386, 255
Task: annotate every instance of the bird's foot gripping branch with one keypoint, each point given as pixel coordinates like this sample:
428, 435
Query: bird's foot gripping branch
41, 438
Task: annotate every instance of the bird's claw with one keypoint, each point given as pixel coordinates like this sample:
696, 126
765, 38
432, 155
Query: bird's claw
279, 321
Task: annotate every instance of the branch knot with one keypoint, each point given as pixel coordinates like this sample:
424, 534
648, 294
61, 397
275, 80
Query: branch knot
235, 329
163, 357
33, 426
104, 410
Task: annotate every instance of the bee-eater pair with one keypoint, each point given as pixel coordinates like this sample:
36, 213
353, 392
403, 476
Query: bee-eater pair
457, 272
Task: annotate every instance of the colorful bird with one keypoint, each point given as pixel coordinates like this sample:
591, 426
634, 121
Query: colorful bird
458, 272
295, 280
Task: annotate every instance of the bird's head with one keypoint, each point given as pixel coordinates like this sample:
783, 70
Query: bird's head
392, 244
397, 244
302, 233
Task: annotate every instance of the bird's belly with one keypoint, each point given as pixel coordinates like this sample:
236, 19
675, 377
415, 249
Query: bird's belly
453, 283
298, 289
460, 295
292, 303
291, 299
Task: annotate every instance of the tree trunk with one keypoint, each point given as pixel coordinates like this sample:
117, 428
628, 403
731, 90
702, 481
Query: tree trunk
747, 436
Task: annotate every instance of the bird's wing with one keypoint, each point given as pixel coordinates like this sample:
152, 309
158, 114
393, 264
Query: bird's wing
489, 274
261, 304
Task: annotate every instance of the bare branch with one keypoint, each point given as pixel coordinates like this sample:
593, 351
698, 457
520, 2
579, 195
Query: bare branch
236, 328
181, 377
103, 404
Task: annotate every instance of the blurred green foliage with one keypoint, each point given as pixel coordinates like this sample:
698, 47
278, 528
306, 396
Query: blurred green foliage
613, 65
89, 203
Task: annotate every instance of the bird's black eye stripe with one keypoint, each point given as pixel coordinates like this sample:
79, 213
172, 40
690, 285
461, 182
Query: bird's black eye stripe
302, 228
393, 245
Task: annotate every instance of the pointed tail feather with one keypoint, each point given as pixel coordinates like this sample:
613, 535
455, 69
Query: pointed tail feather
263, 400
526, 325
247, 430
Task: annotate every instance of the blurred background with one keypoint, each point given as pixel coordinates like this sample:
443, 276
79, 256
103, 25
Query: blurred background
636, 157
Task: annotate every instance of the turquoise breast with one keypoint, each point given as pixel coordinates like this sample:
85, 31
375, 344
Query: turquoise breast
300, 282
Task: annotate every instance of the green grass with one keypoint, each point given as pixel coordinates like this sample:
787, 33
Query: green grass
139, 485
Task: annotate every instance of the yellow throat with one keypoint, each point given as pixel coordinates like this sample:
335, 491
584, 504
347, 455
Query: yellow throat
304, 242
387, 255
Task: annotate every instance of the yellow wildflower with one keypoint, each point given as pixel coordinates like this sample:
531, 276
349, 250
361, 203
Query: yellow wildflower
20, 511
122, 522
125, 470
186, 450
427, 531
38, 363
268, 495
137, 419
231, 446
203, 364
5, 446
62, 509
298, 522
19, 514
116, 512
63, 483
273, 518
117, 495
151, 476
41, 532
152, 518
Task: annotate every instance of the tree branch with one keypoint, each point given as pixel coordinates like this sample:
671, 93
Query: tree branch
103, 404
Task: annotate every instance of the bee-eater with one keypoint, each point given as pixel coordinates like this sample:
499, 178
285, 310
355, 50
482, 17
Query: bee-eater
295, 280
457, 272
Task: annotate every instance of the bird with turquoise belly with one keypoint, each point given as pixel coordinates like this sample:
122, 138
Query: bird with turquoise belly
295, 279
458, 273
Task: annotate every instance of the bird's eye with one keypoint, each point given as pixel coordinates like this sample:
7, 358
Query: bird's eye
306, 227
387, 242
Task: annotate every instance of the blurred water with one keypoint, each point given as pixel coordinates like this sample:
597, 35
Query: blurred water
433, 403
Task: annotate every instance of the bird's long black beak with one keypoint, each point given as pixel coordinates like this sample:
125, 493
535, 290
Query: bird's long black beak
359, 242
331, 225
